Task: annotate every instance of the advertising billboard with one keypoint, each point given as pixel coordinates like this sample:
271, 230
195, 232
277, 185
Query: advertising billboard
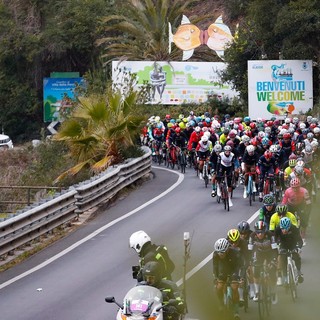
279, 88
177, 82
58, 95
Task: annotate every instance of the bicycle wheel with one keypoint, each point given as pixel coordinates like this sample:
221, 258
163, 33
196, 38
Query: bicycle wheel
261, 303
183, 162
291, 282
173, 158
249, 191
205, 175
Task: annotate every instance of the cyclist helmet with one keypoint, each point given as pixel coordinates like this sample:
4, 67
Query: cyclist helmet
314, 144
298, 170
269, 123
207, 120
246, 119
260, 226
282, 209
265, 141
286, 136
285, 223
292, 163
268, 155
273, 148
309, 118
221, 245
261, 134
138, 240
173, 121
267, 130
310, 135
295, 183
197, 129
230, 143
316, 130
217, 147
252, 125
293, 156
250, 148
204, 138
268, 200
287, 120
227, 148
300, 162
226, 131
233, 235
245, 138
200, 124
232, 134
243, 226
208, 134
181, 116
302, 126
308, 148
177, 130
168, 117
152, 272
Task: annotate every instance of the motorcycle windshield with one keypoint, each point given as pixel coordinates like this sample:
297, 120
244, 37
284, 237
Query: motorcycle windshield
141, 298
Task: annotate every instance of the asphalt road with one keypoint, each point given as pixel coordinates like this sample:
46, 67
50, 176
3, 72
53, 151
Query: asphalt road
70, 279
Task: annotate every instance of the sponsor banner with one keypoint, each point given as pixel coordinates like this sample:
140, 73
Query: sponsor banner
177, 82
279, 88
58, 96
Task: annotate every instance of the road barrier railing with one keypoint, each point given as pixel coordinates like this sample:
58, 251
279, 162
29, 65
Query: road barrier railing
41, 218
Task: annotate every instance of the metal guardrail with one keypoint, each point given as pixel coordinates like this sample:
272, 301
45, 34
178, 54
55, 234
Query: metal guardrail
41, 218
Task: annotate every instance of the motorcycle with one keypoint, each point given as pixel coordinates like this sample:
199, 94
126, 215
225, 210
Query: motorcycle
140, 303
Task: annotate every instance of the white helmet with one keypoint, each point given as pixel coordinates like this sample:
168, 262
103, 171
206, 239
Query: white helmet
221, 245
273, 148
250, 148
217, 147
245, 138
261, 134
197, 129
207, 133
204, 138
316, 130
287, 120
302, 125
138, 240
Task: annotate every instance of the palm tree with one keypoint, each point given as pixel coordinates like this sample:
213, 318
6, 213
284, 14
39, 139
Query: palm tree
99, 128
142, 31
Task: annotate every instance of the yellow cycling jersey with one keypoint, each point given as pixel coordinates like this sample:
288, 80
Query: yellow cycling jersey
287, 172
275, 220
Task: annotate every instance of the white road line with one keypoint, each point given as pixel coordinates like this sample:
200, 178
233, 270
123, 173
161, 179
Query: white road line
209, 257
95, 233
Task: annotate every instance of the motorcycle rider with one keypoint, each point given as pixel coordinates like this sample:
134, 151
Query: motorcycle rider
148, 251
172, 299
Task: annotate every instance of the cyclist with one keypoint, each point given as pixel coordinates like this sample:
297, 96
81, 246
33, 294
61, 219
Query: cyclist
195, 138
172, 299
268, 209
225, 165
263, 246
266, 166
249, 162
281, 211
298, 200
245, 232
233, 236
288, 238
227, 263
147, 251
213, 161
203, 149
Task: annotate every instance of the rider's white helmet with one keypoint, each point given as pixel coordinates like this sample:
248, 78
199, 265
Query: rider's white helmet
138, 239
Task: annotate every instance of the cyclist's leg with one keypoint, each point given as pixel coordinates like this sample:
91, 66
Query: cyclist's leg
228, 171
235, 293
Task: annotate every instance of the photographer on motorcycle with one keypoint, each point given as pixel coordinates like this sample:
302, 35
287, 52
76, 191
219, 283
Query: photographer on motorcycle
147, 251
172, 299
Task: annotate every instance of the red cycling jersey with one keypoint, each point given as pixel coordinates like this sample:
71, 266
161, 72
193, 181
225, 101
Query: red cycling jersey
296, 197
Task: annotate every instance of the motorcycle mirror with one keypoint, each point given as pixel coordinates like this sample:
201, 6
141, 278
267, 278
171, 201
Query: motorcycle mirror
110, 299
113, 300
